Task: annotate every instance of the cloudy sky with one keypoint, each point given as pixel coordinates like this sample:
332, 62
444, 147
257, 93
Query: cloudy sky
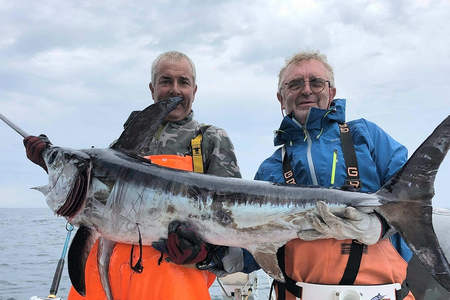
75, 69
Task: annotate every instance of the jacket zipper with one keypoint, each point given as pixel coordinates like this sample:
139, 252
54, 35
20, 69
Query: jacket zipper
312, 170
333, 168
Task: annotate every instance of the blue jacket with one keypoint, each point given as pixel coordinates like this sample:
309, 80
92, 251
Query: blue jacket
311, 149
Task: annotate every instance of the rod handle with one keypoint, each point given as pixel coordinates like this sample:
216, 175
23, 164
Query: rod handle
57, 277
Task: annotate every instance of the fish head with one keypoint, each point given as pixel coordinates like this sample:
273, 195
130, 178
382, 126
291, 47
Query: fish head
69, 176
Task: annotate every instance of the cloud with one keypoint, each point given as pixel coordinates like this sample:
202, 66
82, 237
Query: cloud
75, 70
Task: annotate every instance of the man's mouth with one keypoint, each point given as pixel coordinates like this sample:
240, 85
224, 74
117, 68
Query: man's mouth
306, 103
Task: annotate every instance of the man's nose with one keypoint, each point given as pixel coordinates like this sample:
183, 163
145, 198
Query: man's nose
307, 89
175, 89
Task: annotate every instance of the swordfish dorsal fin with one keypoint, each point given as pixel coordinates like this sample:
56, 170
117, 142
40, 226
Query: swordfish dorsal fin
141, 129
78, 254
407, 203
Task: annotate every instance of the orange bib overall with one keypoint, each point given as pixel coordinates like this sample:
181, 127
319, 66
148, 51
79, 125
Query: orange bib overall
163, 281
324, 262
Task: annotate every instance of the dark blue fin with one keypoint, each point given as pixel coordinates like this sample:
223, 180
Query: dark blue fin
407, 202
79, 251
140, 130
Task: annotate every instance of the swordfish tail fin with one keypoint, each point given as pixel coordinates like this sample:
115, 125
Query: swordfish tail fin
407, 202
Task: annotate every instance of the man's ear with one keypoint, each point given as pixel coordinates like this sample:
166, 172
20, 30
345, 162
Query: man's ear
280, 99
331, 96
152, 89
195, 91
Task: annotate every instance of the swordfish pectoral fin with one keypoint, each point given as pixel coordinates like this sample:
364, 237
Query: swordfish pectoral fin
407, 206
141, 129
266, 257
104, 251
77, 256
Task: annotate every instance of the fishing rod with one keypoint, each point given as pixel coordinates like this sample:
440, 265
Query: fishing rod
60, 266
59, 269
14, 126
69, 228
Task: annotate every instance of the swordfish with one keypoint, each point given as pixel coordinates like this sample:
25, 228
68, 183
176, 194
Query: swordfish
115, 196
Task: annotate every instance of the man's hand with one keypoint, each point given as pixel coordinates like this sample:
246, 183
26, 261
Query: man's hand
34, 146
223, 260
183, 245
364, 227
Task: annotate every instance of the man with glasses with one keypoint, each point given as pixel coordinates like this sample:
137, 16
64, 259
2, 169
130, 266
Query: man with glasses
318, 148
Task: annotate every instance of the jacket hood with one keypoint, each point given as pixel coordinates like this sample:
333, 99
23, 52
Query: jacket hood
317, 119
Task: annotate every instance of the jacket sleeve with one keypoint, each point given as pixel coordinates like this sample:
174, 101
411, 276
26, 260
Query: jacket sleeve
220, 159
271, 169
258, 175
388, 154
250, 263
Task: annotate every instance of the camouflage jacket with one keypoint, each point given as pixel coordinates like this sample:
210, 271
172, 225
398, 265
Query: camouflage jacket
217, 150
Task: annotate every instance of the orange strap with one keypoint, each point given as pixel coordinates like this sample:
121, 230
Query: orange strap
172, 161
191, 163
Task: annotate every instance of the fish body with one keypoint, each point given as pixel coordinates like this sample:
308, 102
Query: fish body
125, 193
114, 195
227, 211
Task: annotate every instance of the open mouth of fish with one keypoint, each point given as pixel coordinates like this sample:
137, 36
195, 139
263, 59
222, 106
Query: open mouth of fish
75, 198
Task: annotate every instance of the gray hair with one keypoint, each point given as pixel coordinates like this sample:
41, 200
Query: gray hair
173, 56
303, 56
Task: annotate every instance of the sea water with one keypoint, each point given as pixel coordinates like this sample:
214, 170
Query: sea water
31, 243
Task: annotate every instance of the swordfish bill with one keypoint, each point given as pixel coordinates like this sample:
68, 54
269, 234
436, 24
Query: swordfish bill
115, 196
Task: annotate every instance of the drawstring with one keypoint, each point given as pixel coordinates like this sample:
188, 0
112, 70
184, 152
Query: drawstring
330, 110
271, 289
160, 258
138, 267
321, 121
278, 131
303, 127
320, 133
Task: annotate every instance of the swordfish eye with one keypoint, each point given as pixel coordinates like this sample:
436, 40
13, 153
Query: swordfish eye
53, 158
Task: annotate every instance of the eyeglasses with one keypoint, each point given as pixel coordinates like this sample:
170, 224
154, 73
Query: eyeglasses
315, 84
